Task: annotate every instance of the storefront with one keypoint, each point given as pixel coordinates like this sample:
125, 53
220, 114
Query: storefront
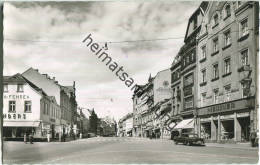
230, 121
185, 126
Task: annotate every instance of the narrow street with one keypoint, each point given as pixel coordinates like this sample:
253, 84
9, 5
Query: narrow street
123, 150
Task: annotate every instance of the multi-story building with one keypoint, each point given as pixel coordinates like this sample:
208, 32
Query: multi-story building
29, 110
125, 125
184, 73
147, 101
64, 95
227, 71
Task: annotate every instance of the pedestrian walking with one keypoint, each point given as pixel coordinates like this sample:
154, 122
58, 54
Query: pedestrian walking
31, 138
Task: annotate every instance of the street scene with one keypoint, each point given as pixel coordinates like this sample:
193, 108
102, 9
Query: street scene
131, 82
111, 150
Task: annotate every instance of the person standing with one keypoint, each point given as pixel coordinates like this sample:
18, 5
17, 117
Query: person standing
31, 138
252, 138
25, 138
48, 136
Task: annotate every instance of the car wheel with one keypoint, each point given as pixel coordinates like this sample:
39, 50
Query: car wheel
189, 143
185, 143
175, 142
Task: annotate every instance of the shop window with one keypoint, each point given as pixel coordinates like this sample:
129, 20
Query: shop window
227, 68
227, 93
215, 45
27, 106
20, 88
244, 27
227, 38
5, 87
244, 57
12, 105
215, 96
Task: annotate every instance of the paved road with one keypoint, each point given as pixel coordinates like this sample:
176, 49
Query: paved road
122, 150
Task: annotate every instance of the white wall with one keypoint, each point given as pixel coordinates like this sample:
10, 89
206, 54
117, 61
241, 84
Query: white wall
162, 86
29, 94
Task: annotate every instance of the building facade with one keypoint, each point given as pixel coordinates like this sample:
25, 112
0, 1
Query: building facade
64, 95
227, 55
29, 110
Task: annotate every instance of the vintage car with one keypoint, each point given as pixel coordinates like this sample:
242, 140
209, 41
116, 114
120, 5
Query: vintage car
188, 139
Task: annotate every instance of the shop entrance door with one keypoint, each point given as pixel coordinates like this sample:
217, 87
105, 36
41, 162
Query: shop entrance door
227, 129
206, 130
245, 128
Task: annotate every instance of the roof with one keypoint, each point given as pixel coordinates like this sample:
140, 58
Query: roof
18, 78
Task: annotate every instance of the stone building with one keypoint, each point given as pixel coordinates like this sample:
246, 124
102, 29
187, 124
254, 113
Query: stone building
227, 69
184, 74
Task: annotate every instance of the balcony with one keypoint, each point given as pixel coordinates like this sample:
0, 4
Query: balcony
244, 68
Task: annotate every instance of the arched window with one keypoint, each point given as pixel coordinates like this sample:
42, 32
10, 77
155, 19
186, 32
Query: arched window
227, 11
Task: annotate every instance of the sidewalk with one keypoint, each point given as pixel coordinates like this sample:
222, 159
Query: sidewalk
246, 146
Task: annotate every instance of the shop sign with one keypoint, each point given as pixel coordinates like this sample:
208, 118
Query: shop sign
16, 97
52, 120
46, 126
227, 116
244, 114
205, 119
230, 106
10, 116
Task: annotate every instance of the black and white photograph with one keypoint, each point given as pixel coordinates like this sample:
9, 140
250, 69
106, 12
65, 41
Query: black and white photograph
129, 82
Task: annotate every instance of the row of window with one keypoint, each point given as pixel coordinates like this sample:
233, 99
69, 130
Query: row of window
227, 39
227, 94
19, 87
51, 110
227, 66
27, 106
226, 14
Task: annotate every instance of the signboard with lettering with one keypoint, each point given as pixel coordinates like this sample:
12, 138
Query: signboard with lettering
224, 107
16, 97
14, 116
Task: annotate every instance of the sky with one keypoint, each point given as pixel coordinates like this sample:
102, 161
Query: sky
48, 36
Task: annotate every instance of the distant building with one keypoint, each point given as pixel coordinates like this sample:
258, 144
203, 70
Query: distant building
28, 109
125, 125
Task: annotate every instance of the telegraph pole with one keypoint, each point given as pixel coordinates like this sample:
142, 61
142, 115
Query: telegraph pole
1, 79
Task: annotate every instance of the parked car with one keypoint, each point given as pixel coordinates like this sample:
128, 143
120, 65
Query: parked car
188, 139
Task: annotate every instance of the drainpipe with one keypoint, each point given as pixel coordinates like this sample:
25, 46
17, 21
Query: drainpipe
1, 80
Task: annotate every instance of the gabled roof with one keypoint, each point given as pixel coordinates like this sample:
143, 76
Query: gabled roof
17, 78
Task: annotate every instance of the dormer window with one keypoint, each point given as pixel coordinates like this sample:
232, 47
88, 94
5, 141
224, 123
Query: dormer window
20, 88
5, 87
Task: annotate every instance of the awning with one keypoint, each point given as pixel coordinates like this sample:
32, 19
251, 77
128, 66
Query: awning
21, 123
185, 124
